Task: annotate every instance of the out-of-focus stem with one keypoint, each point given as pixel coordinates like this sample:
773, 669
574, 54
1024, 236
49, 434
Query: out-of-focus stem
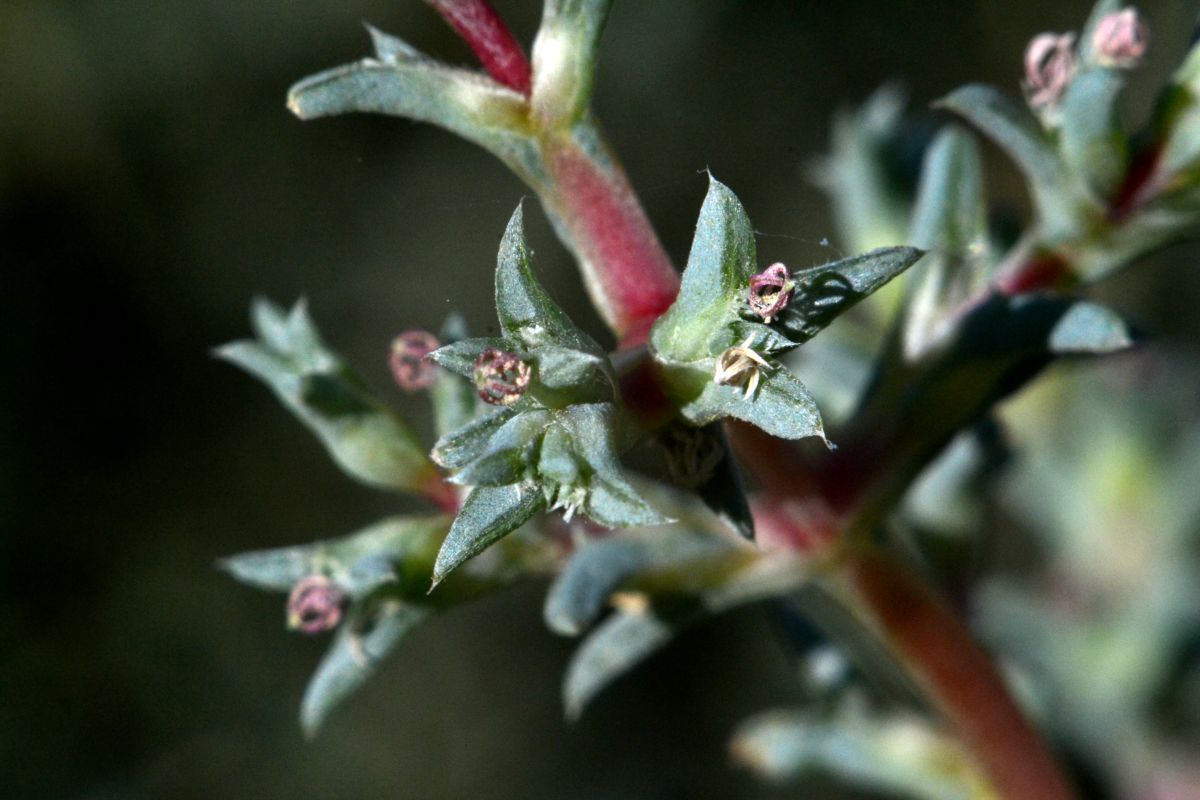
494, 44
958, 677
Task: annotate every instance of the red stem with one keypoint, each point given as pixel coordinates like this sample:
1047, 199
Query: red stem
960, 678
494, 44
627, 270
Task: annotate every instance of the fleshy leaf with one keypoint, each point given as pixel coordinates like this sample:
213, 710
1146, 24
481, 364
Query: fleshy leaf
564, 59
897, 754
368, 441
361, 643
1089, 328
629, 636
617, 645
781, 405
597, 570
509, 454
1093, 142
459, 357
1015, 130
822, 293
949, 221
527, 314
719, 267
457, 449
610, 500
402, 82
489, 514
407, 544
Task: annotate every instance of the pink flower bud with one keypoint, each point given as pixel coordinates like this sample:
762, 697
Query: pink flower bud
771, 291
315, 605
501, 377
410, 367
1121, 39
1049, 67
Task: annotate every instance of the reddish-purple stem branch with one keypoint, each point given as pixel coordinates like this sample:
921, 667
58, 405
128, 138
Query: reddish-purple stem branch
621, 252
494, 44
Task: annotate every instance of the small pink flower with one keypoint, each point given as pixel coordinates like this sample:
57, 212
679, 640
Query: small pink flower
501, 377
315, 605
1121, 39
771, 291
410, 367
1049, 67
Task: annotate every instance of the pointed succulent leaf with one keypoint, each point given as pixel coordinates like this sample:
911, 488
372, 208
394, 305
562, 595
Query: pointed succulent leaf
460, 357
614, 502
610, 500
950, 211
557, 461
1089, 328
822, 293
1014, 129
564, 59
950, 223
781, 405
617, 645
407, 544
1093, 141
579, 376
899, 754
367, 440
600, 568
457, 449
364, 640
714, 284
401, 82
489, 514
509, 454
629, 636
527, 314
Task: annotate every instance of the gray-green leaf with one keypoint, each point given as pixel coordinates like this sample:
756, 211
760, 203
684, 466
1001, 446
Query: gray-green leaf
897, 754
1015, 130
715, 283
822, 293
527, 314
368, 441
1093, 141
362, 642
600, 568
402, 82
1089, 328
781, 406
619, 643
489, 514
397, 540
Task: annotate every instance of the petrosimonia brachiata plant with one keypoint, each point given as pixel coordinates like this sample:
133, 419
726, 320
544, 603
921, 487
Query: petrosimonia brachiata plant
620, 474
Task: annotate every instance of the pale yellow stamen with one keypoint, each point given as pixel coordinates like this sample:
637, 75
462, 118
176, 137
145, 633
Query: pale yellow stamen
740, 365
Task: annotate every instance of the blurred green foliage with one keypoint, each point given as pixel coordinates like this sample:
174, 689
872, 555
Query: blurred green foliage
151, 181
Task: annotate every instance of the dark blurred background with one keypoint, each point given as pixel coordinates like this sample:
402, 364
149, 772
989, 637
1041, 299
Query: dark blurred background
152, 183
